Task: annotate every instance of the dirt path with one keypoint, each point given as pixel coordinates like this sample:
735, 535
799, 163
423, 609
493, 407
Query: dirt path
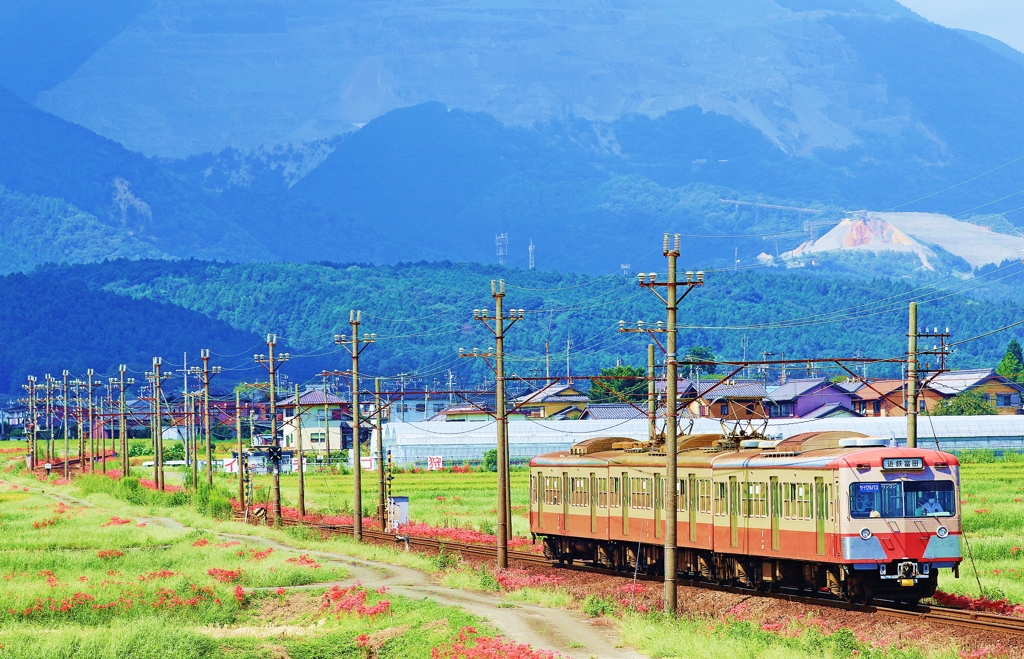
565, 632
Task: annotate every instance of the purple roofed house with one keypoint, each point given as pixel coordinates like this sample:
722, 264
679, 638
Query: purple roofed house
811, 398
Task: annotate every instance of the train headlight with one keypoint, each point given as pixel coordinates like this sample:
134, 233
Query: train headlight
942, 532
865, 534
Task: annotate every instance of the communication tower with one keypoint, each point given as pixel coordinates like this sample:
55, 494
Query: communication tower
501, 244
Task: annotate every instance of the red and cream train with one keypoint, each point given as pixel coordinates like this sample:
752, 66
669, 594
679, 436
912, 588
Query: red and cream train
834, 511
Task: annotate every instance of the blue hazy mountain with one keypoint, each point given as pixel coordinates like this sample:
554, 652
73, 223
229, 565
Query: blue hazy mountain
383, 131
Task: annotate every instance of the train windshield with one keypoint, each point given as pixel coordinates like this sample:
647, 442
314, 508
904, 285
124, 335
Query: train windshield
902, 499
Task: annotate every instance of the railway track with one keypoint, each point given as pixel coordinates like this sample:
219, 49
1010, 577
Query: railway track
922, 612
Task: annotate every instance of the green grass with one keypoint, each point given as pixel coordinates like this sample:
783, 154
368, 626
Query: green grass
993, 523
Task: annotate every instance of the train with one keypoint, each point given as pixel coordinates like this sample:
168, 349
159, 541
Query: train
836, 513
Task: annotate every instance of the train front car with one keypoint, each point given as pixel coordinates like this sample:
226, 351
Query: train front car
900, 522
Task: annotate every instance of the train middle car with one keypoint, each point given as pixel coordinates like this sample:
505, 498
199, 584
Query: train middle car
832, 511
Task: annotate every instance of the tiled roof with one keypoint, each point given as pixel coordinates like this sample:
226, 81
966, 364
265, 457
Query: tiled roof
955, 382
739, 389
313, 397
612, 411
552, 393
878, 389
829, 409
795, 388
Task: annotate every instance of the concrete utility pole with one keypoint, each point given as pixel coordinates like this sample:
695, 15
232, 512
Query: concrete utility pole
671, 300
79, 430
298, 435
31, 389
271, 361
499, 323
157, 377
122, 422
382, 503
912, 378
92, 384
652, 400
48, 389
205, 374
67, 448
238, 436
355, 347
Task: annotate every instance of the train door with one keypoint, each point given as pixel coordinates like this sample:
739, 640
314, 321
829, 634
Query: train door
658, 504
776, 505
734, 512
593, 503
542, 491
625, 504
693, 507
820, 513
566, 494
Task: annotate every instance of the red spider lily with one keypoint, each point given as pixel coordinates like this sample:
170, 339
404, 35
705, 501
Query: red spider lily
460, 470
352, 599
382, 590
150, 485
362, 640
984, 652
230, 543
240, 594
202, 542
159, 574
468, 536
631, 589
469, 646
280, 591
258, 556
46, 522
109, 553
304, 560
772, 627
117, 521
982, 511
225, 576
51, 578
1002, 607
513, 579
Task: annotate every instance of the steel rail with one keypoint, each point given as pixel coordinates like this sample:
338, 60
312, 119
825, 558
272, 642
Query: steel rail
922, 612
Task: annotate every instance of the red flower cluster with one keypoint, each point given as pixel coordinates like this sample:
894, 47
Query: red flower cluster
63, 606
352, 599
240, 594
109, 553
257, 556
51, 578
159, 574
982, 511
631, 589
117, 521
151, 485
304, 560
225, 576
229, 543
468, 536
42, 524
513, 579
201, 542
470, 646
1002, 607
167, 598
461, 470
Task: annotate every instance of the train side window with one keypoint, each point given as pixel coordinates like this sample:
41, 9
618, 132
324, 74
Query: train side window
533, 489
705, 495
681, 500
721, 499
804, 498
788, 494
580, 491
615, 492
602, 492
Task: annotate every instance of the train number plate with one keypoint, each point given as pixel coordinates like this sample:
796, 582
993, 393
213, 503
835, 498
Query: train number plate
902, 464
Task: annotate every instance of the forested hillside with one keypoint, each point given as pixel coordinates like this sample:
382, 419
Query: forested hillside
422, 313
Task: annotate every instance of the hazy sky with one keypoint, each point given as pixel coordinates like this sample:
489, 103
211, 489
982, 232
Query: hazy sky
1002, 19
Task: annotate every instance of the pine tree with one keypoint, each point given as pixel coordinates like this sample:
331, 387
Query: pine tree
1011, 366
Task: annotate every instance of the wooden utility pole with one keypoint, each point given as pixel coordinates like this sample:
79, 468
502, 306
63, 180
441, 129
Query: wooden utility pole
48, 388
122, 424
355, 347
912, 378
298, 435
238, 434
205, 374
382, 503
498, 323
270, 361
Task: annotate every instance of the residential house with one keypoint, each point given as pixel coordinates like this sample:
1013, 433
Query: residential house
325, 420
556, 401
616, 411
734, 399
814, 398
1001, 392
880, 398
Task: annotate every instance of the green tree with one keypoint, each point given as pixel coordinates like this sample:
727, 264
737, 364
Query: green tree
966, 403
1011, 366
699, 354
632, 386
